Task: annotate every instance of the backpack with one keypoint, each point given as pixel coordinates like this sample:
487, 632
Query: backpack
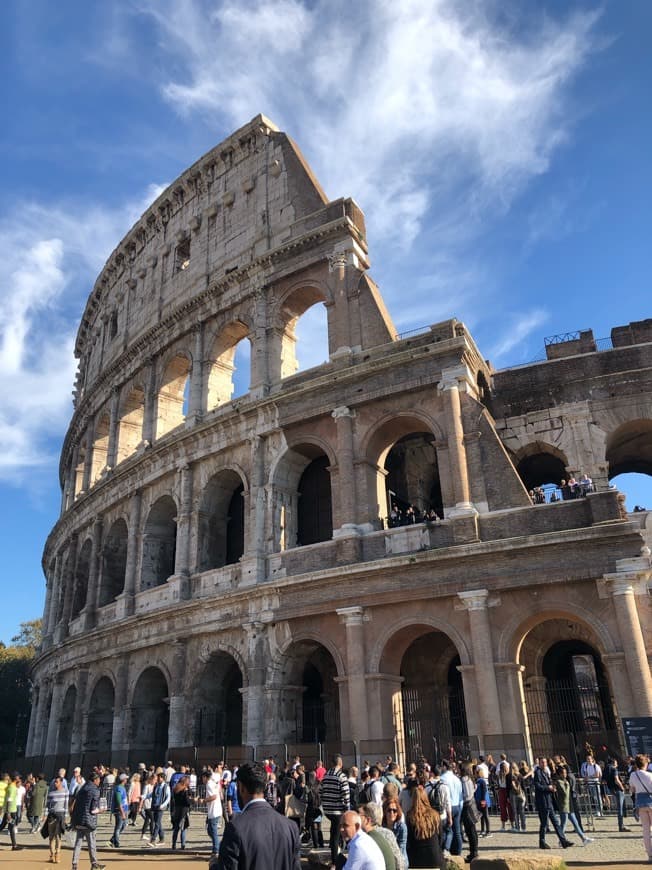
434, 796
365, 796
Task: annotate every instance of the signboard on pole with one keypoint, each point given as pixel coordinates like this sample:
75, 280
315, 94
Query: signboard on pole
638, 734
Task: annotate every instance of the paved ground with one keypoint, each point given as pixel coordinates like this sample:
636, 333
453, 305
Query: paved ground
609, 849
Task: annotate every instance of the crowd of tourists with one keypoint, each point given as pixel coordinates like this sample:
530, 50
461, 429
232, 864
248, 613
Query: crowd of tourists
379, 817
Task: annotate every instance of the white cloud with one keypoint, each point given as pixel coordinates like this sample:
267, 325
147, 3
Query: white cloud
516, 331
49, 257
396, 103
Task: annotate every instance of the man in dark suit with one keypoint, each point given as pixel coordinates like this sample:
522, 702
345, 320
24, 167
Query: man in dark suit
258, 838
543, 792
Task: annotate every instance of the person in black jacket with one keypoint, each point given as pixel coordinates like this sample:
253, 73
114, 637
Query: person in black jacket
258, 838
84, 809
543, 792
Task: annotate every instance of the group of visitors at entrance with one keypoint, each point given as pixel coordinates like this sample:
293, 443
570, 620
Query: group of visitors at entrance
379, 817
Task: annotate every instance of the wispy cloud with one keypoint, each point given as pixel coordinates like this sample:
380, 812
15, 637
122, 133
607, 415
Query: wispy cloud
516, 330
401, 105
49, 256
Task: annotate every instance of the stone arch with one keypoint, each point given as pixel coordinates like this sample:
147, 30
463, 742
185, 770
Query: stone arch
150, 715
402, 462
66, 721
130, 421
100, 447
302, 495
291, 306
172, 398
306, 672
222, 520
114, 562
219, 382
430, 711
629, 448
99, 731
159, 543
217, 701
80, 466
66, 572
82, 575
539, 463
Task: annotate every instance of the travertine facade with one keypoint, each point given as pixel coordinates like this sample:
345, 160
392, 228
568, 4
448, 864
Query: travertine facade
222, 572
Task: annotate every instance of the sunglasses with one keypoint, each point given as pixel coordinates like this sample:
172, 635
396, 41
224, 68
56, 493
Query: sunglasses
392, 810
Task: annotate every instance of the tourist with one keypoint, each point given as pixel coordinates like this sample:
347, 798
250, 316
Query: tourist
591, 773
516, 796
145, 808
371, 816
543, 793
483, 800
180, 820
257, 837
335, 800
39, 802
120, 810
213, 801
563, 791
616, 788
313, 815
160, 802
363, 852
453, 830
470, 813
640, 785
423, 832
84, 809
10, 808
394, 821
56, 821
133, 797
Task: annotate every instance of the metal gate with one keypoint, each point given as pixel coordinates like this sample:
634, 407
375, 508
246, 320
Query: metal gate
434, 724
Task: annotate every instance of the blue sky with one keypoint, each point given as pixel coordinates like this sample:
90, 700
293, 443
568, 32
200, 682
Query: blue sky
500, 153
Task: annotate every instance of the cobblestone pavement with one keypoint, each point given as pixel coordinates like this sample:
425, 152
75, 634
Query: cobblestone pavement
609, 848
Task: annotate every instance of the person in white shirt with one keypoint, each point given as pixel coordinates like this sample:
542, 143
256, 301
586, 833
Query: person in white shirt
592, 774
364, 854
213, 801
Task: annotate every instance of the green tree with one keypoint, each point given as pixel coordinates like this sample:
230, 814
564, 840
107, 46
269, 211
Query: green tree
15, 688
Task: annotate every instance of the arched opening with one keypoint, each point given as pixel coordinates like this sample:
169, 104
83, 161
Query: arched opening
311, 707
567, 694
315, 515
541, 465
303, 319
629, 454
82, 574
99, 731
100, 447
412, 483
159, 543
79, 468
230, 365
130, 423
433, 706
218, 703
302, 500
222, 521
66, 720
170, 402
150, 715
114, 563
67, 572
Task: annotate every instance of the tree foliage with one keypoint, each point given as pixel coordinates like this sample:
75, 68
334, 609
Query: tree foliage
15, 688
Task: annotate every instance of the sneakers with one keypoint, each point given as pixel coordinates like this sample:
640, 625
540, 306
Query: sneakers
145, 837
587, 840
625, 830
96, 867
566, 844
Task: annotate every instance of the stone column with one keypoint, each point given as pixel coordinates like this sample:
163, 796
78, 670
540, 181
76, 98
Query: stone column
255, 530
260, 368
55, 715
149, 404
78, 716
450, 390
74, 492
49, 584
33, 716
348, 499
353, 619
509, 677
177, 736
621, 691
182, 560
131, 568
195, 403
121, 716
68, 587
253, 694
93, 595
477, 603
112, 447
633, 643
42, 718
88, 458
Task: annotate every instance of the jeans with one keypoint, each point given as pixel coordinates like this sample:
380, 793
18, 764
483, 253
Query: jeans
118, 827
82, 833
211, 827
471, 832
335, 838
453, 837
157, 827
572, 818
546, 815
620, 807
518, 809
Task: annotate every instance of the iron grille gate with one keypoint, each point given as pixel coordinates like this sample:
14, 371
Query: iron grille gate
434, 722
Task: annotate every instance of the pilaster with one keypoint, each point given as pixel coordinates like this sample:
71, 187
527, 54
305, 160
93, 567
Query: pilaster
477, 603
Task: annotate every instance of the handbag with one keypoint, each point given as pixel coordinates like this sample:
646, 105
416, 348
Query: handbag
471, 811
294, 808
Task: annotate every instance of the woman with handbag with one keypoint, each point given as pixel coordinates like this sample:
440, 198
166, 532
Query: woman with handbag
640, 785
470, 814
180, 813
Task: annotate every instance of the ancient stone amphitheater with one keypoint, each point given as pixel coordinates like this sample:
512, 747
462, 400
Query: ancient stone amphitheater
226, 576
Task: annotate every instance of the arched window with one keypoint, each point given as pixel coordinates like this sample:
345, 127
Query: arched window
304, 340
413, 476
100, 447
130, 425
230, 365
82, 573
114, 563
222, 521
159, 543
315, 514
302, 498
171, 397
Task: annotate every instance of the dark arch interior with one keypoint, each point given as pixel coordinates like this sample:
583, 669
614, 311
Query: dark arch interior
315, 517
82, 573
222, 522
99, 730
540, 469
114, 563
413, 474
66, 720
160, 543
630, 449
218, 717
434, 712
150, 715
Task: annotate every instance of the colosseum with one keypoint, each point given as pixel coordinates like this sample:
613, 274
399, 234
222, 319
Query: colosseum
343, 557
